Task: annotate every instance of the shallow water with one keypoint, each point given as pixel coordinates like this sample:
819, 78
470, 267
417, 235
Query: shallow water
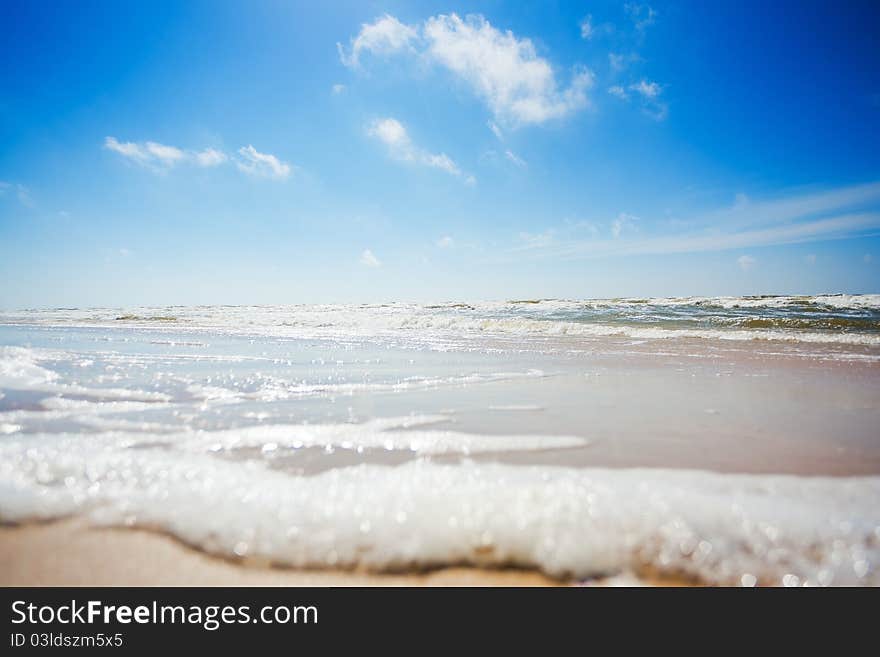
583, 438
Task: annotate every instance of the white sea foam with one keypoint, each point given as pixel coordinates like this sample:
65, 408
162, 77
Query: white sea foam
842, 301
403, 433
526, 408
20, 369
445, 325
281, 389
541, 327
566, 522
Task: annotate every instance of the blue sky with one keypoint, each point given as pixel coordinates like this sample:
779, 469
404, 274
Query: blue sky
283, 152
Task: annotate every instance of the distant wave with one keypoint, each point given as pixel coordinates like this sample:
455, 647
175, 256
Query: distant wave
842, 319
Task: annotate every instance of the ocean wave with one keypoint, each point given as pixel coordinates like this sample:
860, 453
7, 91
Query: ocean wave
379, 433
715, 528
540, 327
838, 301
21, 369
830, 319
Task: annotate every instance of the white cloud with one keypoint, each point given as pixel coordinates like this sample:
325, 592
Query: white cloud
264, 165
128, 149
393, 134
513, 157
384, 36
642, 15
518, 85
617, 62
495, 129
162, 157
167, 155
368, 259
586, 26
150, 153
746, 262
445, 242
441, 161
797, 218
210, 157
623, 223
646, 88
337, 89
651, 104
714, 240
803, 204
538, 240
649, 94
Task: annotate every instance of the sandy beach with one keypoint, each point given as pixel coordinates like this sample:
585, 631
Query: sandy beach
547, 443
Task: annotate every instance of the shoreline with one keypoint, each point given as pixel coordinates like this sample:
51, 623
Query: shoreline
72, 552
634, 453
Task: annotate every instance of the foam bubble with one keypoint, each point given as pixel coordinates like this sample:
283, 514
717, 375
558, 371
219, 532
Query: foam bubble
567, 522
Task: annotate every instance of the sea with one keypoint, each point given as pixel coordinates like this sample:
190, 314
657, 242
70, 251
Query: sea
720, 440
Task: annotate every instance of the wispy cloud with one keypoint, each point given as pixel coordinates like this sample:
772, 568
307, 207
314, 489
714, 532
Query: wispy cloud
623, 223
18, 190
393, 134
150, 153
367, 259
516, 159
445, 242
210, 157
648, 93
518, 85
646, 89
619, 62
586, 26
642, 15
162, 158
263, 165
797, 218
385, 35
746, 262
803, 204
538, 240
